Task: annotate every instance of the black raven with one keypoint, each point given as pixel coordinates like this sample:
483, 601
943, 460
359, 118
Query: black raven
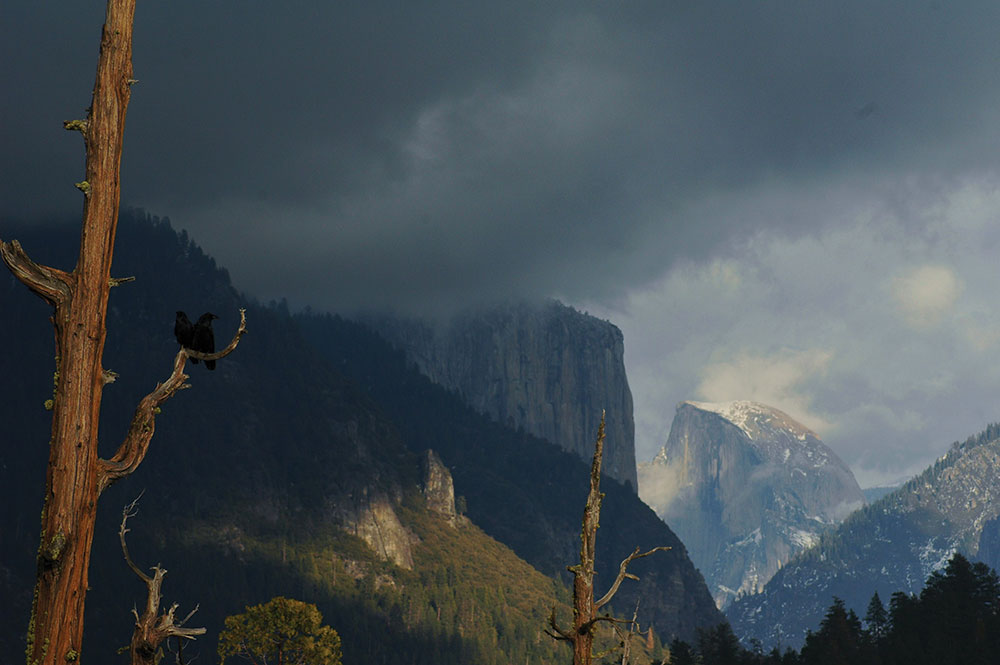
203, 339
184, 331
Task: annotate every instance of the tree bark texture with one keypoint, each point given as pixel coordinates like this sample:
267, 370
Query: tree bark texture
76, 476
584, 610
80, 303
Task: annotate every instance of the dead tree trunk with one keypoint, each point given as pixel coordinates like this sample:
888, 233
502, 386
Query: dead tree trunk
76, 476
151, 627
80, 299
585, 617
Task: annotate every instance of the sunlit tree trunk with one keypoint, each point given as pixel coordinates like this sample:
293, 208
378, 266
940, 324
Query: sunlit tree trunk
80, 299
76, 476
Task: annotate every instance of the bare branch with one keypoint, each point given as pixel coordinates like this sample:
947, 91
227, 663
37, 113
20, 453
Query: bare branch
179, 654
186, 633
607, 618
622, 574
133, 449
189, 615
626, 638
127, 512
172, 629
559, 633
50, 284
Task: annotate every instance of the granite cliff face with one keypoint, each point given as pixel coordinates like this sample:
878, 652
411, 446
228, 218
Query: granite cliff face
547, 369
891, 545
745, 487
372, 515
376, 523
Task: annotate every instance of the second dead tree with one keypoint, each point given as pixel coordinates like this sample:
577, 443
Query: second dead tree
152, 628
585, 617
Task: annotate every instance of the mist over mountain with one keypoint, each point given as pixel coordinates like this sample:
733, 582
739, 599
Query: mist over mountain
746, 487
300, 467
891, 545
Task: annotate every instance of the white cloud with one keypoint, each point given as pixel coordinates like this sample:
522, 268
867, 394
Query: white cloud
925, 295
865, 331
775, 380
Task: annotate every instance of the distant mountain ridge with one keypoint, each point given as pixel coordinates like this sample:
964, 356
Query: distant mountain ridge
891, 545
543, 367
745, 486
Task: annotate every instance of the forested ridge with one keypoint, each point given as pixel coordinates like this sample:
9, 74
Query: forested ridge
244, 482
954, 620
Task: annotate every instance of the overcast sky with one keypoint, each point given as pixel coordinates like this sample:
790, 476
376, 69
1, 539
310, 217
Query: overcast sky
789, 202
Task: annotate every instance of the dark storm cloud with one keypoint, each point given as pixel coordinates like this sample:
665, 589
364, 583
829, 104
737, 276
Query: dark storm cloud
359, 153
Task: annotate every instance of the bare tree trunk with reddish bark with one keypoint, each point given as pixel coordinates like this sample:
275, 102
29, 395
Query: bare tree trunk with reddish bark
585, 618
76, 476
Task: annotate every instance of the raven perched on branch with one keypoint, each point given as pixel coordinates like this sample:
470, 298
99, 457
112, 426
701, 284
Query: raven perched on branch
203, 339
183, 330
198, 336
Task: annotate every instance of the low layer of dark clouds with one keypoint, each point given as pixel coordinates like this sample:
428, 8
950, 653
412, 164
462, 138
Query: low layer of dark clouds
784, 201
425, 152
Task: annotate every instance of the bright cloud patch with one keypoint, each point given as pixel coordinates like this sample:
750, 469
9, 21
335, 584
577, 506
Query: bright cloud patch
927, 294
774, 380
865, 332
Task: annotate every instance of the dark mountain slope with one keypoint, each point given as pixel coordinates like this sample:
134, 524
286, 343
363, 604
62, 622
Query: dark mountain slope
263, 478
267, 476
523, 491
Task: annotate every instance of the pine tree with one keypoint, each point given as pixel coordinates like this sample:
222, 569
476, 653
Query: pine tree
958, 608
876, 619
839, 640
719, 645
681, 653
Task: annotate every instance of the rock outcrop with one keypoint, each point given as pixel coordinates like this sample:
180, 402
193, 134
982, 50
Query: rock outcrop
547, 369
439, 488
376, 523
891, 545
745, 487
